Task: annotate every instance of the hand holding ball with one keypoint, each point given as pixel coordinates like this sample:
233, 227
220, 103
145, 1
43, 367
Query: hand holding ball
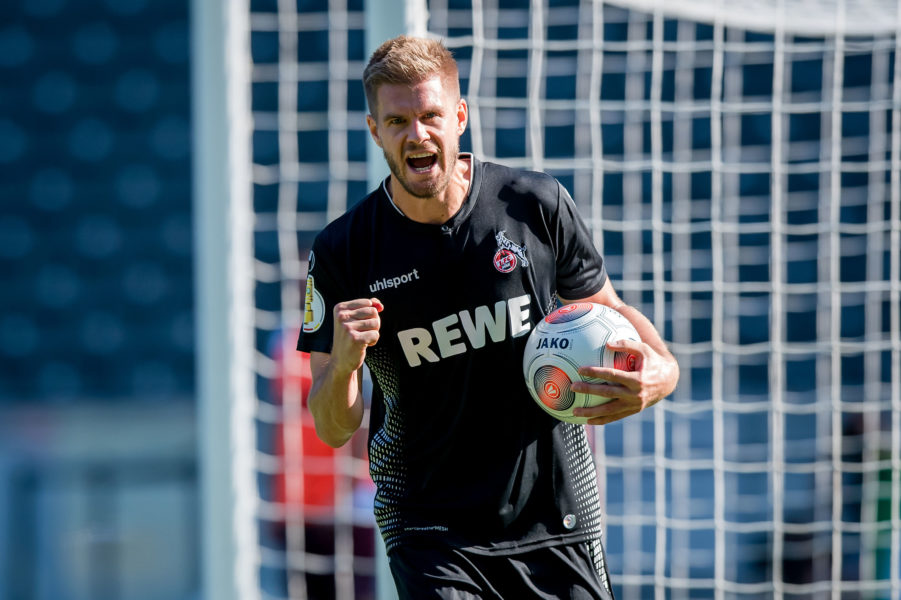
573, 336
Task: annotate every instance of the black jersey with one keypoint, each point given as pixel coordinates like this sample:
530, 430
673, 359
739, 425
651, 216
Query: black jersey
457, 447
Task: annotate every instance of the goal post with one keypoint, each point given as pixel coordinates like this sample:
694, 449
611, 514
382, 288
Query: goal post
224, 284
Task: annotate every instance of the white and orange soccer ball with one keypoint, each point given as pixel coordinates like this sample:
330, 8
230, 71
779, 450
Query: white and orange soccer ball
573, 336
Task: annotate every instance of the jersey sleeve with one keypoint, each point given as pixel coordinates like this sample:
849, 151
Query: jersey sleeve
322, 289
580, 267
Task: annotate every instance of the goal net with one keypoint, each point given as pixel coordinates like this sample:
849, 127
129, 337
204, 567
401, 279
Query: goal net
740, 166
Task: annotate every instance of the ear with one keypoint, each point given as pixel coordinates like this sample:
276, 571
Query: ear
373, 130
462, 116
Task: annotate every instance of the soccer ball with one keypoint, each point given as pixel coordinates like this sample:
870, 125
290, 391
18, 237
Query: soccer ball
573, 336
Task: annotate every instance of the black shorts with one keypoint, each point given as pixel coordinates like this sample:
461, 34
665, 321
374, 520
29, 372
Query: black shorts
424, 570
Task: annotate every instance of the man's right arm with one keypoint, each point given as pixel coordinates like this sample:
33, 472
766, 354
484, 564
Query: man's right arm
336, 398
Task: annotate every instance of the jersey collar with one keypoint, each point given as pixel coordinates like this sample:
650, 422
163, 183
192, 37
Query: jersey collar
468, 201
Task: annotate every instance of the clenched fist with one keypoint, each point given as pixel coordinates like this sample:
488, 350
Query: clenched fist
357, 326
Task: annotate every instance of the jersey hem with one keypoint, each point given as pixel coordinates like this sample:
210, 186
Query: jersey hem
507, 549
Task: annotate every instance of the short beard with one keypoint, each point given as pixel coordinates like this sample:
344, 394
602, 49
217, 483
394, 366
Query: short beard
433, 189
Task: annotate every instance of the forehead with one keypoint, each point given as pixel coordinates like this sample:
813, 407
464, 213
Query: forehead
399, 98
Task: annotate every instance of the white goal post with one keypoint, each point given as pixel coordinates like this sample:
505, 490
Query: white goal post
739, 163
224, 283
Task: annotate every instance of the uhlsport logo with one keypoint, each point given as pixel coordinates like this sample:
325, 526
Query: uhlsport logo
393, 282
505, 259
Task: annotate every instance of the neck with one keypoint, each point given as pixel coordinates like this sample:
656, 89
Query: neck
441, 207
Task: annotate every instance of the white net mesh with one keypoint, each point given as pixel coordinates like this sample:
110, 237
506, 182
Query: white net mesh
315, 522
739, 164
742, 182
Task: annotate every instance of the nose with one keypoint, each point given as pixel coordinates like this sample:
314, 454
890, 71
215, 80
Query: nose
418, 131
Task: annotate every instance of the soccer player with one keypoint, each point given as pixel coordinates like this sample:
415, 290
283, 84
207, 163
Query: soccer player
435, 280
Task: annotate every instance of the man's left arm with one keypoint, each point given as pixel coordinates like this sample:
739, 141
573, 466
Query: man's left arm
656, 370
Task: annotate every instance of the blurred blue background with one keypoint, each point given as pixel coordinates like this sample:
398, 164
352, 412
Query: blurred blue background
98, 493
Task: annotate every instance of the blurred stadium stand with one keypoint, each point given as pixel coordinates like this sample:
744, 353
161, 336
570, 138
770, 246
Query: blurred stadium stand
95, 173
98, 493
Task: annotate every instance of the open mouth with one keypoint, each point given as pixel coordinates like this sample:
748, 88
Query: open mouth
422, 162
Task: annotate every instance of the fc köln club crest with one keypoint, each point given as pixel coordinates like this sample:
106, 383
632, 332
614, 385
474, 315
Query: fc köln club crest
508, 254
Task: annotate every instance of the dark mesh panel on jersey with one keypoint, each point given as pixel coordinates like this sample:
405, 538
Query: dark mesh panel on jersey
584, 478
387, 463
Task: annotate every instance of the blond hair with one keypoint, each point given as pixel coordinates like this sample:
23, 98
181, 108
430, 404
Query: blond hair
409, 60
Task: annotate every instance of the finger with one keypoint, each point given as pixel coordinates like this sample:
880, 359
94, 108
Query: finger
377, 304
625, 345
363, 333
369, 337
360, 325
629, 379
607, 419
609, 412
614, 407
358, 303
353, 311
602, 388
367, 313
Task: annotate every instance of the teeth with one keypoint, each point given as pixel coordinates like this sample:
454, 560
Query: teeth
421, 155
